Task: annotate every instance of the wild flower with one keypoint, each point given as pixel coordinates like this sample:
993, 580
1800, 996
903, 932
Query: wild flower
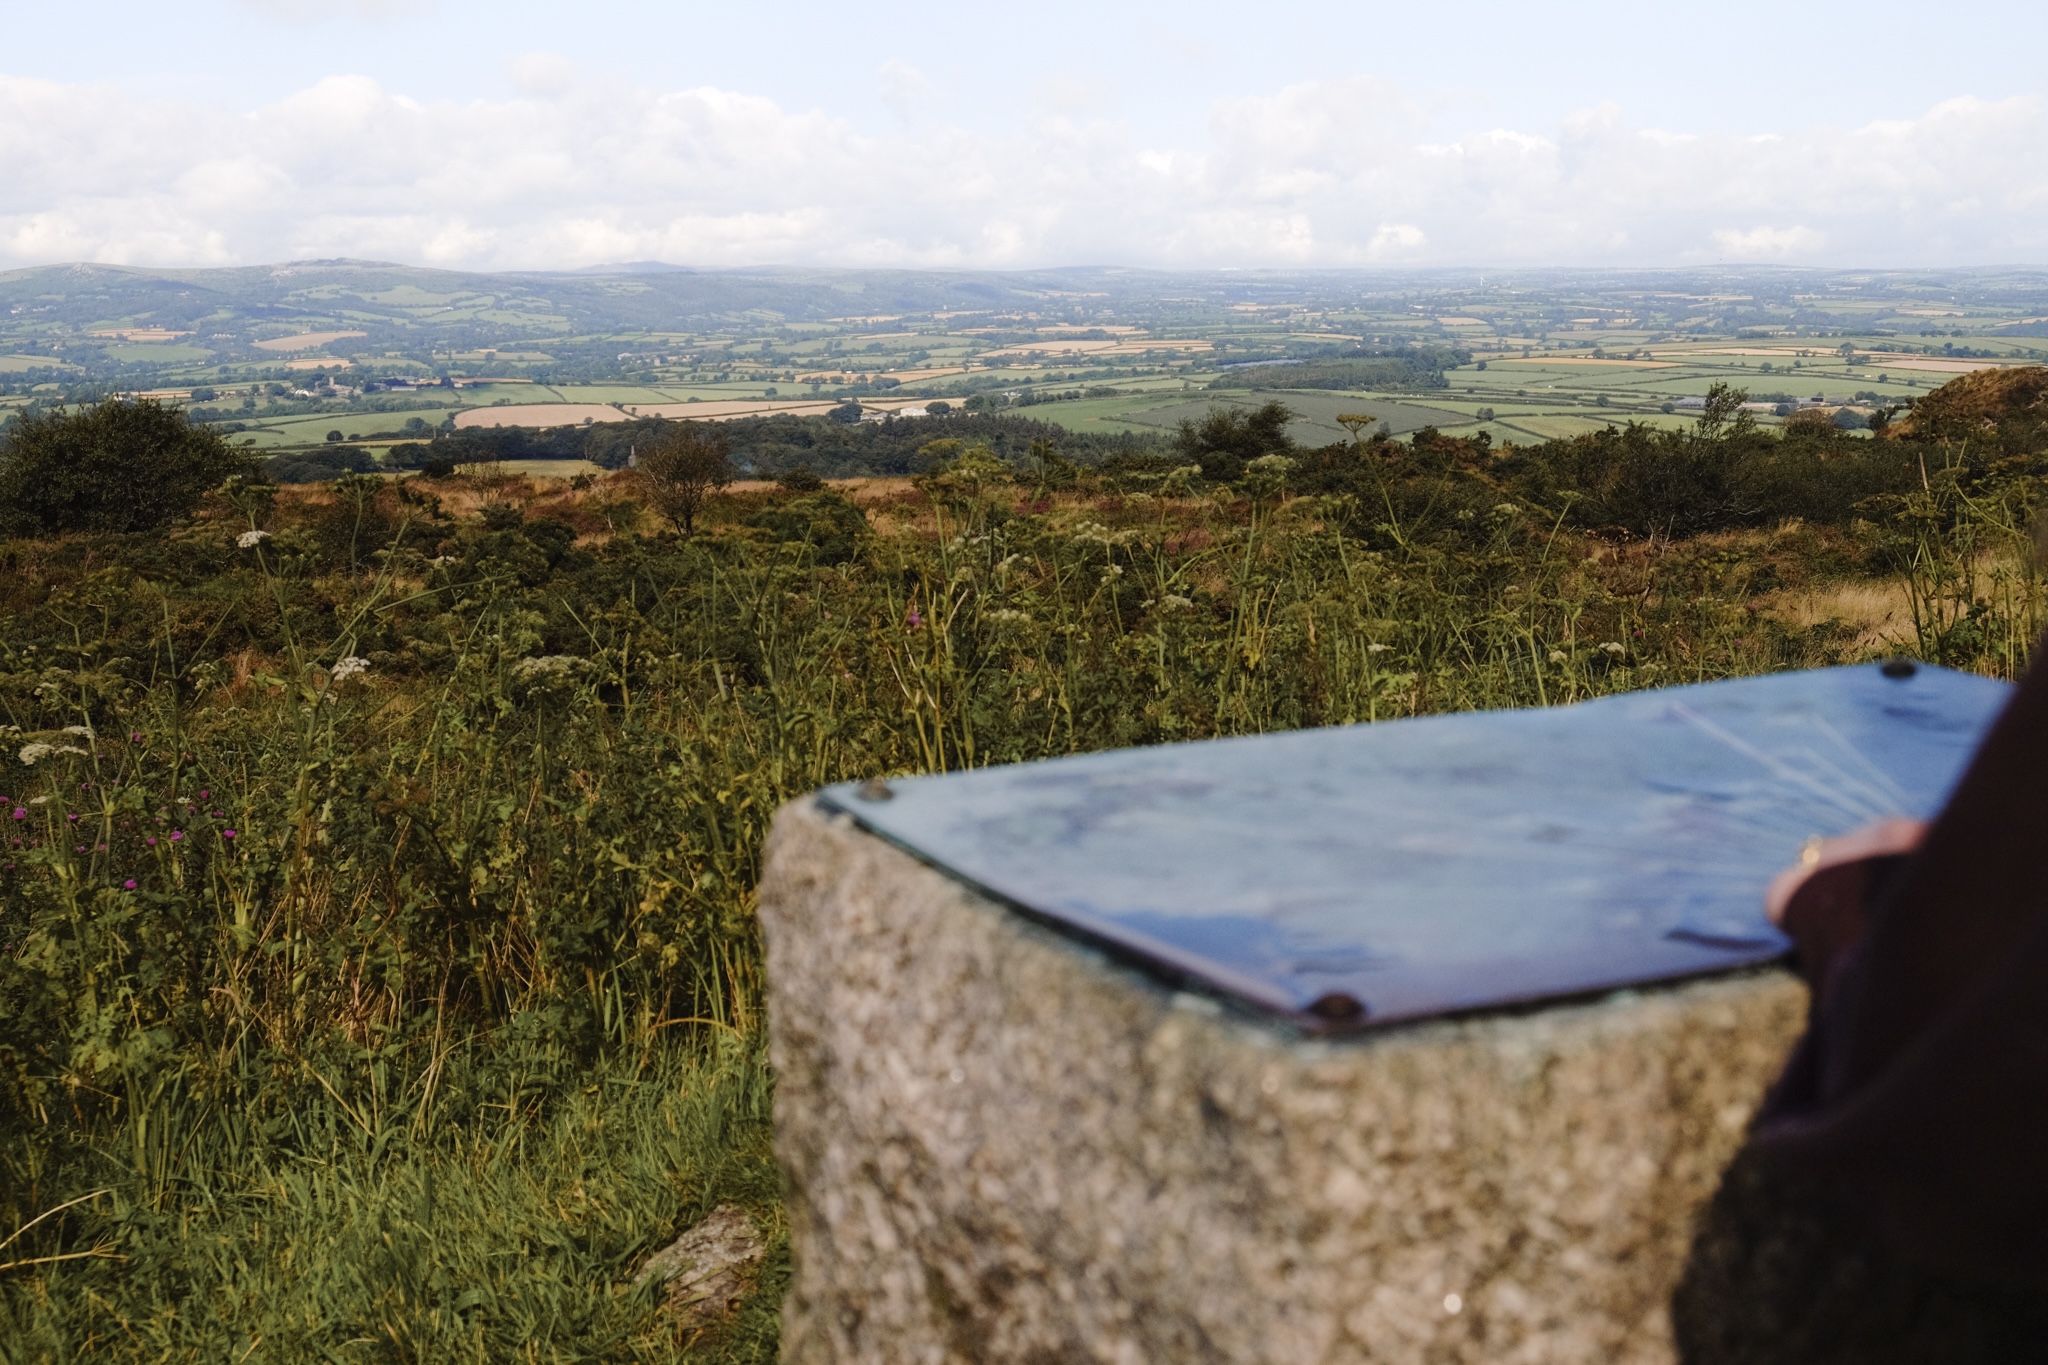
128, 885
1558, 656
176, 835
82, 731
32, 754
227, 834
1008, 614
913, 618
346, 668
1173, 601
1614, 647
249, 540
1095, 533
548, 666
1377, 648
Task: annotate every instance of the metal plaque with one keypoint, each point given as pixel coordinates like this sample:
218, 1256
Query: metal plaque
1374, 873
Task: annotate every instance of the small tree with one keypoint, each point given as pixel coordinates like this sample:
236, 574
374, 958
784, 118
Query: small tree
117, 465
684, 470
1224, 441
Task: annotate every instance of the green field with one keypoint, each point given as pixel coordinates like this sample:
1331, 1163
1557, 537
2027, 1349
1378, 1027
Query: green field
647, 339
1316, 413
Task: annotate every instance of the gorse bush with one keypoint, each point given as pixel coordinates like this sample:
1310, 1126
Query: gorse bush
377, 962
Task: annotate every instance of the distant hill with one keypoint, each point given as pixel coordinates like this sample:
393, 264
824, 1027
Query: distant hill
402, 304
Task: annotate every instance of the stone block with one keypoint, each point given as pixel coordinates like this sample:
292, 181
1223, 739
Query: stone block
999, 1146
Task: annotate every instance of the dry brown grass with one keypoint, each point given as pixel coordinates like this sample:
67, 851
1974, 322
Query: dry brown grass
1877, 609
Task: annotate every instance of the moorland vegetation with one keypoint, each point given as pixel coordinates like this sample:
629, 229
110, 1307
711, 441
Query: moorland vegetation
378, 976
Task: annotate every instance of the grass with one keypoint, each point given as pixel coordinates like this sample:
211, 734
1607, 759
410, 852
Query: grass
512, 1237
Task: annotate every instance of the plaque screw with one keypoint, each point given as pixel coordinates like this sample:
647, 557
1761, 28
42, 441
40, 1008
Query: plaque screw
874, 789
1338, 1007
1900, 667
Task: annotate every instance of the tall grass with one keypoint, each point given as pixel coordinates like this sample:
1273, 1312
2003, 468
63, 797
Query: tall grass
461, 1020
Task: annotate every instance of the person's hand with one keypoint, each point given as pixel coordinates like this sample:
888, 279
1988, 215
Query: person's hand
1893, 834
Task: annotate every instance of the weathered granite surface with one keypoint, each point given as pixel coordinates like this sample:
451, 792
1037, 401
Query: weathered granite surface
1000, 1147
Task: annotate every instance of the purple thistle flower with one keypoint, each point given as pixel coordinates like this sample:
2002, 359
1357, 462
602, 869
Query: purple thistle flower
176, 835
204, 794
152, 841
128, 885
20, 813
914, 619
73, 817
227, 834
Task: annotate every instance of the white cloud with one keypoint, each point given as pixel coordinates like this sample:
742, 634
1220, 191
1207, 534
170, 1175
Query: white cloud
1395, 238
902, 85
573, 172
1768, 243
540, 73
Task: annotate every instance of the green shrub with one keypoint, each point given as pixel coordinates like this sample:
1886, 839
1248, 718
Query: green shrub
118, 465
833, 527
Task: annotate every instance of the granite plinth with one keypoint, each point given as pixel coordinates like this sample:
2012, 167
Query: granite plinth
1000, 1146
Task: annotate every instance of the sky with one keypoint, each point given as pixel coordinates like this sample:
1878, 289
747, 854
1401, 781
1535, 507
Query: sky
1289, 133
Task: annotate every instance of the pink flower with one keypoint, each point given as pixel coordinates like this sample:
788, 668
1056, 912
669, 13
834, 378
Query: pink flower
20, 814
152, 841
135, 738
204, 794
176, 835
128, 885
914, 619
227, 834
